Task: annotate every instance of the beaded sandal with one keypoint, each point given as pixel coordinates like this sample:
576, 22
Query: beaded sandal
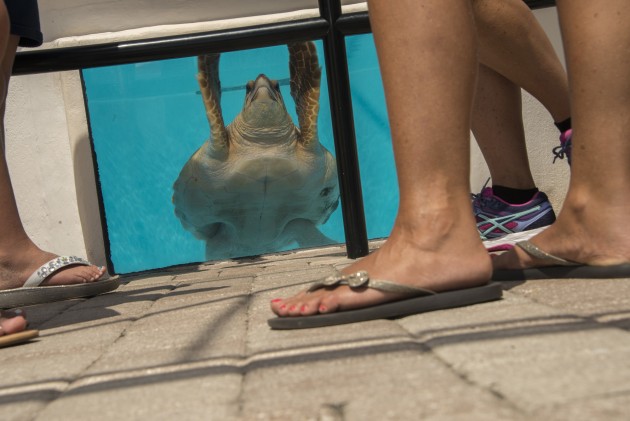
419, 300
33, 293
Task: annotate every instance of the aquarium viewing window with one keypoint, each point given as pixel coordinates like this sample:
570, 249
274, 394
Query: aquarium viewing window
156, 76
146, 121
164, 207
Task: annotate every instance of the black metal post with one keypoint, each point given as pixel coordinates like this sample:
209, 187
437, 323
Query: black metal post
343, 129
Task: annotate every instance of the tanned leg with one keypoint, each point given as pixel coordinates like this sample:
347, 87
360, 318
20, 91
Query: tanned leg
19, 256
434, 242
593, 225
512, 43
497, 124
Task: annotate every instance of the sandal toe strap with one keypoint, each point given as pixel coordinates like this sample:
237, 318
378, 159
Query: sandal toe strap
536, 252
362, 279
51, 267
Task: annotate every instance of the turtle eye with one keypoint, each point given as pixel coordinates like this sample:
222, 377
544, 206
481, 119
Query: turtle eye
249, 86
275, 85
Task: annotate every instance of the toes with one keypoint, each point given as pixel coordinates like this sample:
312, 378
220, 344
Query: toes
77, 274
329, 304
10, 323
89, 273
279, 307
300, 305
294, 309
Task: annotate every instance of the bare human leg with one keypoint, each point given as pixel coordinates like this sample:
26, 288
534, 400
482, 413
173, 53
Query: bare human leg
19, 256
513, 44
497, 124
515, 52
434, 243
592, 227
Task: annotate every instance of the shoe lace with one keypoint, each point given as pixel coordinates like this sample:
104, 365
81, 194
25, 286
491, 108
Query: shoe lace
564, 149
478, 199
560, 151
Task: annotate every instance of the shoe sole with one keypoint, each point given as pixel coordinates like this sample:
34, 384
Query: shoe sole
508, 241
563, 272
20, 297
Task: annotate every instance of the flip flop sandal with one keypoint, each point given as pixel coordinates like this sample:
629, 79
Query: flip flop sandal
561, 268
420, 301
33, 293
17, 338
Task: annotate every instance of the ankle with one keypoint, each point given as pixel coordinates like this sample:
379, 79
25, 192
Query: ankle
18, 254
514, 196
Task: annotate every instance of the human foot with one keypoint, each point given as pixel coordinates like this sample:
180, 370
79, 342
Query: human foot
62, 278
567, 249
18, 268
13, 328
444, 266
12, 322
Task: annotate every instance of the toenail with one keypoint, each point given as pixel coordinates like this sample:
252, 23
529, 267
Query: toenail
303, 309
283, 307
292, 308
275, 300
322, 309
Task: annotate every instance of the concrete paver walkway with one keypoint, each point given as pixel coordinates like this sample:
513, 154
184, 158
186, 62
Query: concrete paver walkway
193, 344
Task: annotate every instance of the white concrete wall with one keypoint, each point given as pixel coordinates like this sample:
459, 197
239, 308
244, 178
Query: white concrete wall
47, 137
73, 18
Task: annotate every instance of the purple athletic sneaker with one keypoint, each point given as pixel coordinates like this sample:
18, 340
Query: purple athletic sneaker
497, 218
564, 149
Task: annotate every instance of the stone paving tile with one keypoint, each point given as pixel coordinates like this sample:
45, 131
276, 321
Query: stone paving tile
25, 402
512, 316
152, 279
557, 369
200, 320
283, 284
41, 376
602, 299
532, 354
608, 408
203, 292
193, 343
202, 394
206, 274
388, 383
40, 314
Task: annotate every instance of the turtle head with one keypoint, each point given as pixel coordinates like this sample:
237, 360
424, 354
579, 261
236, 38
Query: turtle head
264, 108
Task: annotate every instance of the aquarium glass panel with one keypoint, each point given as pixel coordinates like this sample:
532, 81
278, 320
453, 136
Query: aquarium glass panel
376, 159
148, 119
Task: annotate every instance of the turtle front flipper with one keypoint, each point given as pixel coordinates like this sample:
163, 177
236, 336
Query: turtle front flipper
306, 234
210, 84
305, 82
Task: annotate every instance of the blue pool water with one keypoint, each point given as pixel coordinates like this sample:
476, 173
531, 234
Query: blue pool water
147, 119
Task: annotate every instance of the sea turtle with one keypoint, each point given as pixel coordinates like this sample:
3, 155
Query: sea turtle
259, 184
